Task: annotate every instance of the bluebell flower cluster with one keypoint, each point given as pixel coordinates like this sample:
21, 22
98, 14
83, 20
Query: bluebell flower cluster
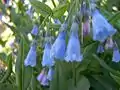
35, 30
73, 52
101, 28
47, 60
31, 57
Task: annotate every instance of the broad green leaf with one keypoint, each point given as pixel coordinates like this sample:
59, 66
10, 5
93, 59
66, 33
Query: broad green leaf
105, 82
116, 78
104, 65
82, 84
114, 18
27, 77
60, 10
90, 49
5, 86
59, 81
33, 83
41, 7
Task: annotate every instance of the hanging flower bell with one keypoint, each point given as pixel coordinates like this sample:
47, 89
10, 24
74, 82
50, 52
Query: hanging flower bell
29, 12
42, 78
47, 60
59, 46
31, 57
116, 53
35, 30
73, 52
100, 49
50, 74
109, 43
101, 28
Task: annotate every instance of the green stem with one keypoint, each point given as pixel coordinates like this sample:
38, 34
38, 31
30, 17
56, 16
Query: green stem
74, 73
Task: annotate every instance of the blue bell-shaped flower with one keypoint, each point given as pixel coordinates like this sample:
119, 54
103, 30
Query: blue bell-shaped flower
59, 46
30, 12
35, 30
31, 57
116, 55
73, 52
100, 49
57, 21
41, 75
101, 28
42, 78
86, 28
109, 44
45, 81
47, 60
50, 74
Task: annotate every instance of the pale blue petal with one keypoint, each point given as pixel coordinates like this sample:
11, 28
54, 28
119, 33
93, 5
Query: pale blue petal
31, 57
47, 60
100, 49
73, 52
59, 46
45, 81
35, 30
50, 74
101, 28
116, 55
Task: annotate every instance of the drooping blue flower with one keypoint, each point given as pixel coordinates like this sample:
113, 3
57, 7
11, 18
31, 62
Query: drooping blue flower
116, 55
45, 81
47, 60
30, 12
50, 74
59, 46
42, 78
100, 49
86, 28
101, 28
57, 21
31, 57
41, 75
109, 44
73, 52
35, 30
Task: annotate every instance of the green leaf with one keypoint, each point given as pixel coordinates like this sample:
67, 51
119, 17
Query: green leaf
116, 78
5, 86
90, 49
9, 70
60, 10
41, 7
114, 18
105, 82
59, 81
104, 65
33, 83
27, 77
23, 74
83, 84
